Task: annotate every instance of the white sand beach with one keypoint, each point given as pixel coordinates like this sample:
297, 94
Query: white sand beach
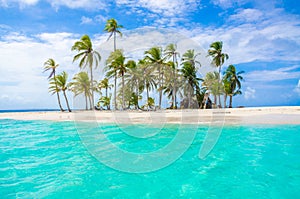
256, 115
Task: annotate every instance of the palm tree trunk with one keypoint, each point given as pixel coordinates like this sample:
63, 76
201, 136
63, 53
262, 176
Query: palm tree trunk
123, 94
92, 89
230, 101
106, 92
58, 98
86, 103
174, 84
115, 45
67, 102
115, 91
189, 98
147, 90
225, 99
220, 105
160, 87
137, 94
215, 100
90, 100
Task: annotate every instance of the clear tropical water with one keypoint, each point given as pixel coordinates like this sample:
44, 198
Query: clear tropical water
40, 159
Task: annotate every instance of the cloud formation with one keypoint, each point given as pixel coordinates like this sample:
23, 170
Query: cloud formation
249, 93
297, 88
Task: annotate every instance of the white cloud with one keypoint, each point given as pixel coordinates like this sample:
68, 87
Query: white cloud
164, 11
23, 80
100, 18
22, 3
225, 4
86, 4
274, 38
228, 3
249, 93
273, 75
247, 15
297, 88
86, 20
74, 4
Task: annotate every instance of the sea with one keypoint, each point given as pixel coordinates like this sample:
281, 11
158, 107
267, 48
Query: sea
47, 159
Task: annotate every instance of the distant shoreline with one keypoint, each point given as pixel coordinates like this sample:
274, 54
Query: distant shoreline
255, 115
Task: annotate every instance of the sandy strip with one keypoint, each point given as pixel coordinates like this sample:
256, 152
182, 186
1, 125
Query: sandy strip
257, 115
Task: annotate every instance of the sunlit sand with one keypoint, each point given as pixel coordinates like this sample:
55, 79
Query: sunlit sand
257, 115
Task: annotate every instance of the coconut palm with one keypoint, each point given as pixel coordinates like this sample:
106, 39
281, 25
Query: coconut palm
172, 84
218, 58
155, 59
133, 79
190, 56
104, 84
87, 56
81, 84
233, 80
116, 67
61, 81
191, 80
211, 83
171, 52
113, 27
51, 65
148, 78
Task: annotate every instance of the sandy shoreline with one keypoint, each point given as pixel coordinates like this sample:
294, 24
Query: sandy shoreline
257, 115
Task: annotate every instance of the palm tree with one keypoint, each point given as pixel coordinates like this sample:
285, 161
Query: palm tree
88, 57
104, 84
61, 81
189, 73
218, 58
116, 67
113, 27
190, 56
171, 52
155, 59
134, 81
172, 84
211, 82
51, 65
233, 80
81, 84
148, 78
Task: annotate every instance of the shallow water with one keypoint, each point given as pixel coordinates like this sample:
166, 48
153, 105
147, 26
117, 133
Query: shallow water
41, 159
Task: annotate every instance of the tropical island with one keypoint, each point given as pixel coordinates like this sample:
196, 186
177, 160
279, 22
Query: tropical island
162, 70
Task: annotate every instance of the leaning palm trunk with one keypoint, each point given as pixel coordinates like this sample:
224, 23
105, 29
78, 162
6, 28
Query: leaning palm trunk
86, 103
58, 98
67, 102
90, 100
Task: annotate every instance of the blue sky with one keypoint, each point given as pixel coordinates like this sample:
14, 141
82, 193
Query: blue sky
262, 38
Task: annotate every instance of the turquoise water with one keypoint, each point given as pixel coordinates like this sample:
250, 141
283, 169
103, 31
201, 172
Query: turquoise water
41, 159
